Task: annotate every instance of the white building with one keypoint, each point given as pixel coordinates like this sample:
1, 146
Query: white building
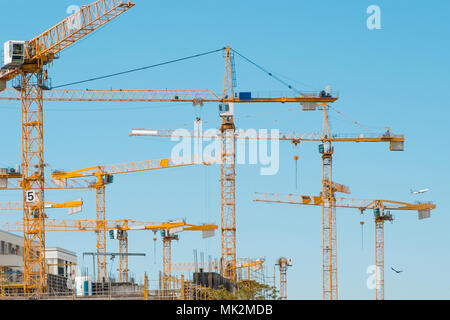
60, 261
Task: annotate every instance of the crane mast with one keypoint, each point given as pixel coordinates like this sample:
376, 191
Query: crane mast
101, 234
167, 261
33, 177
283, 263
227, 175
329, 239
379, 255
123, 258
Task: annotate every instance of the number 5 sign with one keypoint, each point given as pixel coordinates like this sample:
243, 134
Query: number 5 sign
30, 196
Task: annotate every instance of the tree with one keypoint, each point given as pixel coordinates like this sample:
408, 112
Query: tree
245, 290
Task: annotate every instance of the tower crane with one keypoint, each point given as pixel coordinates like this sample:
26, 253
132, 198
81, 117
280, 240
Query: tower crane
226, 99
228, 157
381, 210
28, 62
104, 176
168, 235
329, 246
283, 264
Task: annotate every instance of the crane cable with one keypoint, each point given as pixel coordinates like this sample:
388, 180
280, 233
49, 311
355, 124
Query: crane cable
268, 72
350, 119
139, 69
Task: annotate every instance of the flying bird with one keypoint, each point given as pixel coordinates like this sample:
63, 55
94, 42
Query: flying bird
397, 271
420, 191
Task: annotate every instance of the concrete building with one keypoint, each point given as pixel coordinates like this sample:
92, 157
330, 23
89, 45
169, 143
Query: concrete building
60, 262
11, 250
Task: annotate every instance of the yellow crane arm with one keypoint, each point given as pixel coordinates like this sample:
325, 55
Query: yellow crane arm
18, 205
396, 141
69, 204
52, 184
203, 227
250, 264
120, 168
45, 46
196, 97
104, 225
342, 202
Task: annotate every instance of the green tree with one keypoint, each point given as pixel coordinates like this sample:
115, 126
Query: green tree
245, 290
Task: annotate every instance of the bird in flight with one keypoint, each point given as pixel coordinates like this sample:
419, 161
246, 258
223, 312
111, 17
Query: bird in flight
420, 191
397, 271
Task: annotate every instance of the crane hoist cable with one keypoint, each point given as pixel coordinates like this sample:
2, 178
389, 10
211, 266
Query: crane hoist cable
362, 234
139, 69
296, 157
154, 250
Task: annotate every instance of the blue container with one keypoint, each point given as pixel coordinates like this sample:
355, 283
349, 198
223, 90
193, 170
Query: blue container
245, 96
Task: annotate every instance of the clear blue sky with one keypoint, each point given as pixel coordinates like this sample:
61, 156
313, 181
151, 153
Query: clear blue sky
390, 77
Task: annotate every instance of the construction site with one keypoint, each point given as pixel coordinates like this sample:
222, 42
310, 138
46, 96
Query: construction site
114, 186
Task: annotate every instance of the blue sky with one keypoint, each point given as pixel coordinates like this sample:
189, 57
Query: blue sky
385, 78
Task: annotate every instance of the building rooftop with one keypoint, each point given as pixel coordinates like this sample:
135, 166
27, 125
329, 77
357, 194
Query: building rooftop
60, 249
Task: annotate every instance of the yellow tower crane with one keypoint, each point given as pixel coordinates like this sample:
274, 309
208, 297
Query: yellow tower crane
29, 61
104, 176
309, 102
380, 208
226, 101
168, 235
228, 157
329, 246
